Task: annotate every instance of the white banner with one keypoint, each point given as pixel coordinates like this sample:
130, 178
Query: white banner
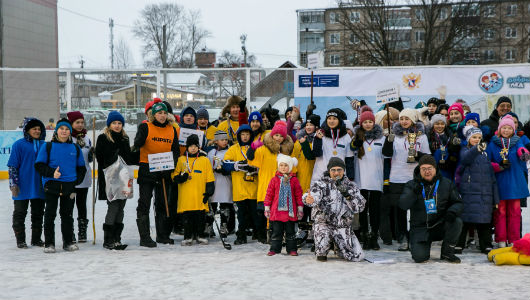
161, 162
185, 132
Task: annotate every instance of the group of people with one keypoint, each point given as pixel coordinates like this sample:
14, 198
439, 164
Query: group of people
337, 184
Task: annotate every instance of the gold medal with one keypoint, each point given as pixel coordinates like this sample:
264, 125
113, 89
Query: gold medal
369, 149
335, 152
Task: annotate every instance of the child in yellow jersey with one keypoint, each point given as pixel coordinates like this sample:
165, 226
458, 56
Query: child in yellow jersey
244, 182
264, 158
196, 183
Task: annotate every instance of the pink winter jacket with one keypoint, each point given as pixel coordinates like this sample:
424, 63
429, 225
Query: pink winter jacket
273, 193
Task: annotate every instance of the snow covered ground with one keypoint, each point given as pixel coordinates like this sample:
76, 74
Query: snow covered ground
211, 272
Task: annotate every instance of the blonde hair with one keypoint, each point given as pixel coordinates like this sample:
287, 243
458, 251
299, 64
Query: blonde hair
107, 132
170, 117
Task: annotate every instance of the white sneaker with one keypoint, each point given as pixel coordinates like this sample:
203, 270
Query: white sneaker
71, 247
187, 242
501, 244
49, 249
202, 241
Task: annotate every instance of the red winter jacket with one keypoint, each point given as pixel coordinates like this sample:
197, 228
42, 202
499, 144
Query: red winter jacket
273, 193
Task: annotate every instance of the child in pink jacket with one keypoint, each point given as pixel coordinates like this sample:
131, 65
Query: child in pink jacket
283, 206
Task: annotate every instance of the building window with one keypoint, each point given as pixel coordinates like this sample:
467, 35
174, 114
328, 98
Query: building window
466, 10
334, 38
303, 59
511, 10
311, 17
443, 13
333, 18
420, 36
334, 60
489, 11
354, 39
489, 34
441, 36
355, 17
419, 15
489, 54
419, 59
509, 54
511, 32
373, 37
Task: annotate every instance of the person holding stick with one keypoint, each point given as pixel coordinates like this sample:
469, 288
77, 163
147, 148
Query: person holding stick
194, 175
155, 136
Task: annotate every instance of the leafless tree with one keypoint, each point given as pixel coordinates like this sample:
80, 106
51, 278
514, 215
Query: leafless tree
123, 55
379, 32
183, 35
232, 82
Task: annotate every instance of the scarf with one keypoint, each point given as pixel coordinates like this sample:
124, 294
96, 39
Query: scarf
285, 200
80, 137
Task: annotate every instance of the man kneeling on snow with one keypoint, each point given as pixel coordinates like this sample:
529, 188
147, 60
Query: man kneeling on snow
435, 207
334, 200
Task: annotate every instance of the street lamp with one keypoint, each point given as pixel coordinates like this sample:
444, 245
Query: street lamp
243, 39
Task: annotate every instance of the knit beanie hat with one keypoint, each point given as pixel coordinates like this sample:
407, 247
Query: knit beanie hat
365, 108
168, 106
470, 130
157, 107
438, 118
193, 140
150, 104
503, 99
456, 106
334, 112
63, 122
472, 116
427, 159
367, 115
314, 119
115, 116
280, 127
336, 162
381, 115
202, 113
290, 108
220, 135
255, 115
74, 116
432, 100
290, 161
411, 113
506, 121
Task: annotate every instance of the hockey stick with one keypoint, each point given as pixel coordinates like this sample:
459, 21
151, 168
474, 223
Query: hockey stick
94, 180
225, 244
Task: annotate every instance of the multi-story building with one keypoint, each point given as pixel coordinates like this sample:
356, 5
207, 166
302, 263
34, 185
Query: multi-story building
502, 35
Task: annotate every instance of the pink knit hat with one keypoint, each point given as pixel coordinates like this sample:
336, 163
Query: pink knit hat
367, 115
456, 106
280, 127
506, 120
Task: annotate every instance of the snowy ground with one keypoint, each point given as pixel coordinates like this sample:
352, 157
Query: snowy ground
211, 272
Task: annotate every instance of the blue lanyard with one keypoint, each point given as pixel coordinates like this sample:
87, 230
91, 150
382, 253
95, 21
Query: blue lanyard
435, 189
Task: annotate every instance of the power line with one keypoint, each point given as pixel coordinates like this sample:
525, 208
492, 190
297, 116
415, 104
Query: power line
92, 18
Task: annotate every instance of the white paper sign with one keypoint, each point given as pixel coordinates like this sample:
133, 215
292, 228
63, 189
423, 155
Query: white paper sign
185, 132
388, 94
314, 60
161, 162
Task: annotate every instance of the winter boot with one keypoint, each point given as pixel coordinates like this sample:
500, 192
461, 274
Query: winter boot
448, 253
108, 236
70, 247
241, 238
202, 241
144, 231
36, 237
118, 228
373, 241
187, 242
301, 238
20, 234
322, 258
49, 249
365, 242
162, 236
82, 225
223, 231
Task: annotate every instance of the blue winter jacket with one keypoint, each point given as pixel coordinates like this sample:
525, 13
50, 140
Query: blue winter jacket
478, 186
512, 181
21, 163
62, 155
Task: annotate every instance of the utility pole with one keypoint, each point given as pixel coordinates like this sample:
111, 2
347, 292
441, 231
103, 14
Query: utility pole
111, 43
243, 39
164, 59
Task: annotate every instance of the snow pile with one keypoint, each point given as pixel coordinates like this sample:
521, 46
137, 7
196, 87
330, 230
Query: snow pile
211, 272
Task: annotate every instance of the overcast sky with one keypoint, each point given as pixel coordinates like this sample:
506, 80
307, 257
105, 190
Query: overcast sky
270, 26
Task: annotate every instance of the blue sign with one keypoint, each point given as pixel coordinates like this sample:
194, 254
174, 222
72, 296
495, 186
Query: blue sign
7, 139
318, 81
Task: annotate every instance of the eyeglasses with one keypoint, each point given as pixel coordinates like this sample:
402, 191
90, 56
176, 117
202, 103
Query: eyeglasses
336, 170
427, 169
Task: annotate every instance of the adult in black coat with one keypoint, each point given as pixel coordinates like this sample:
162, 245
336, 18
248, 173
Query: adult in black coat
502, 107
430, 223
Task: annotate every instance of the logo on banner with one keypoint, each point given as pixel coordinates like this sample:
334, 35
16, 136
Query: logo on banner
411, 81
491, 81
517, 82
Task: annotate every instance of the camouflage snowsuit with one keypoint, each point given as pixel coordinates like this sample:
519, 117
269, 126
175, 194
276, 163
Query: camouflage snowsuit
333, 215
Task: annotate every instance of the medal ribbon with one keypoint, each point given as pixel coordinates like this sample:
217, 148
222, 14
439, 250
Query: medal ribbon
334, 140
192, 165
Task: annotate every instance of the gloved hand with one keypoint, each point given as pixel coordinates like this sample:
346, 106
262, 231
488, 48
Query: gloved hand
505, 164
205, 198
242, 105
91, 154
256, 144
525, 156
450, 216
15, 190
240, 165
481, 147
310, 108
267, 212
343, 191
181, 178
300, 213
358, 143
